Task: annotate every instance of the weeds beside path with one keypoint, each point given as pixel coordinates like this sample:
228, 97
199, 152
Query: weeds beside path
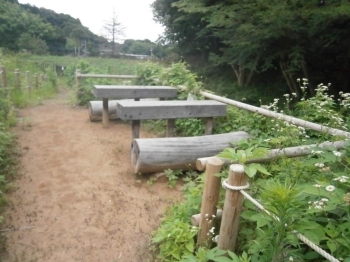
78, 191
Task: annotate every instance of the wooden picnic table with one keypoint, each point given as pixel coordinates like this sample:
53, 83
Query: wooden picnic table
129, 92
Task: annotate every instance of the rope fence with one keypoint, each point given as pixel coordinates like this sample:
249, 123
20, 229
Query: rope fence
304, 239
235, 185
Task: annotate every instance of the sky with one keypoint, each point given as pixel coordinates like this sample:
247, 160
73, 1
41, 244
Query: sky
135, 15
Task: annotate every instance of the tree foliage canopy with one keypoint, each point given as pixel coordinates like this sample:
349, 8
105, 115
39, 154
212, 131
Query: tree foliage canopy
40, 30
299, 37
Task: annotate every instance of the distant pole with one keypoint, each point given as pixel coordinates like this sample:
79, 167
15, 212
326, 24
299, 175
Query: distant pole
27, 80
77, 78
36, 80
3, 76
17, 79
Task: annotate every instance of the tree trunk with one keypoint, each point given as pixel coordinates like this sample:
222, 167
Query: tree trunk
289, 79
150, 155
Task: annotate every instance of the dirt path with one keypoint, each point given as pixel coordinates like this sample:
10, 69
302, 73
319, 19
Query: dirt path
78, 190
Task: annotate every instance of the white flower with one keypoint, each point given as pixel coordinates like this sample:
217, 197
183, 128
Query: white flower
291, 259
330, 188
294, 94
215, 239
324, 199
342, 180
336, 153
318, 207
212, 230
317, 185
319, 164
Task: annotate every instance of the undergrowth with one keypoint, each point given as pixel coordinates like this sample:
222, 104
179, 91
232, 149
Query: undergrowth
309, 194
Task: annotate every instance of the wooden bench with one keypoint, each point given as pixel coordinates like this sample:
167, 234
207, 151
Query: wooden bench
170, 110
129, 92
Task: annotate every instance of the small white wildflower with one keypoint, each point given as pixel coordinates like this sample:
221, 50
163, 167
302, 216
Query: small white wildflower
318, 207
330, 188
319, 165
286, 95
291, 258
298, 79
336, 153
324, 199
215, 239
294, 94
317, 185
342, 180
213, 216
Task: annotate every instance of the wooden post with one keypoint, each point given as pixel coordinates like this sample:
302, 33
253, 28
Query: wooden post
209, 201
232, 209
36, 80
170, 128
41, 79
3, 76
105, 118
135, 129
17, 79
27, 81
209, 126
77, 78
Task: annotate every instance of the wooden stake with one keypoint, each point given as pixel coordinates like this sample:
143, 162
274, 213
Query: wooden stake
27, 81
135, 126
170, 128
209, 126
105, 118
3, 76
36, 80
77, 78
209, 201
17, 79
232, 209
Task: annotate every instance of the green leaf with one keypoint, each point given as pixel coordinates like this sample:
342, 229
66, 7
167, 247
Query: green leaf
332, 245
250, 170
189, 246
261, 169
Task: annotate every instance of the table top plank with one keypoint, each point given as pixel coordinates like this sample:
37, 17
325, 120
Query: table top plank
129, 92
142, 110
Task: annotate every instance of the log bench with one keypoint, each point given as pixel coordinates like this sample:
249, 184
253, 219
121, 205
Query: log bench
170, 110
149, 155
106, 92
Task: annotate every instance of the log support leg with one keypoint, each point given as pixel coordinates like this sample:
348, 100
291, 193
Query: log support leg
170, 128
209, 126
135, 126
105, 118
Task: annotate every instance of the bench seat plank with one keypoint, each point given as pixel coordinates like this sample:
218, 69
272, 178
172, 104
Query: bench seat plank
136, 92
143, 110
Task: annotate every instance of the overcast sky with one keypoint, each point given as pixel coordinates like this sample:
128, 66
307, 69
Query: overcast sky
135, 15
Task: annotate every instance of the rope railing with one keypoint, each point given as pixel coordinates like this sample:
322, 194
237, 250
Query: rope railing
304, 239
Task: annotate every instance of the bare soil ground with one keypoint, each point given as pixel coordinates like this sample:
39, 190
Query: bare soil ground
78, 190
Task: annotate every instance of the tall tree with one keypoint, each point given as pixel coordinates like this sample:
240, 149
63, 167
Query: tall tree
113, 30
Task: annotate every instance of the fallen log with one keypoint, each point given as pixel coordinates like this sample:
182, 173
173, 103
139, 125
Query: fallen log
96, 108
149, 155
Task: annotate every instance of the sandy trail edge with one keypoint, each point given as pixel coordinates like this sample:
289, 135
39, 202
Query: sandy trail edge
78, 190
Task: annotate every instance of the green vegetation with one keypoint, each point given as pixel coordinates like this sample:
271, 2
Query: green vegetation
309, 194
